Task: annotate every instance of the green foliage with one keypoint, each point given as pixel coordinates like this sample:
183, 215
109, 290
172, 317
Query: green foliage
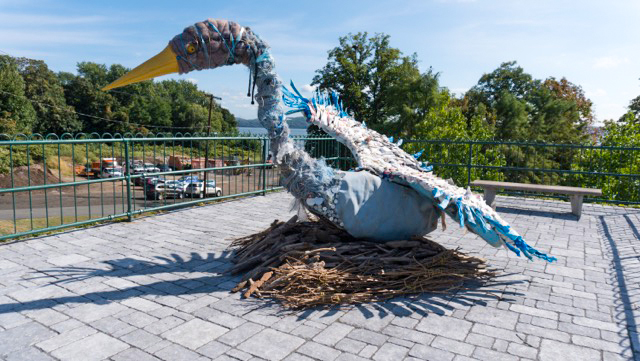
36, 100
634, 109
525, 109
363, 70
625, 132
142, 107
16, 112
43, 87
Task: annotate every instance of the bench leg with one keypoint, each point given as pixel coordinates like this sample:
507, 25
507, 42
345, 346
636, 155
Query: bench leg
576, 204
490, 197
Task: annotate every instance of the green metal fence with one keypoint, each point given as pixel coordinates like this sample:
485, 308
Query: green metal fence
50, 182
53, 182
615, 170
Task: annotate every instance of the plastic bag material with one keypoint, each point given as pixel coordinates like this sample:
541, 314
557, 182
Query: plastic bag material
378, 210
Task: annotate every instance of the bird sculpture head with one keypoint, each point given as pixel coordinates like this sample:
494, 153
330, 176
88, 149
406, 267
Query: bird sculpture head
207, 44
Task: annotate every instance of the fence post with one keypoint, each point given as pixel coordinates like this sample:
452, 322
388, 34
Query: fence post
264, 166
127, 176
337, 148
469, 160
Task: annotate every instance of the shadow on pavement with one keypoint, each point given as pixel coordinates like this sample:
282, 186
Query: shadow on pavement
217, 281
623, 270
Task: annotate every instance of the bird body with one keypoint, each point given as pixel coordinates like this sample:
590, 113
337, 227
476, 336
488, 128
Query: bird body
390, 196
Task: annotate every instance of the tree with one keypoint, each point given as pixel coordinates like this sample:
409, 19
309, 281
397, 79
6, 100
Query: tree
85, 96
412, 100
229, 123
559, 112
189, 106
566, 90
363, 71
43, 87
633, 115
512, 116
523, 108
16, 112
148, 106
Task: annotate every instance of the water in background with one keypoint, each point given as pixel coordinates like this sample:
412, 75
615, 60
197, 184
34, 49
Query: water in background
294, 131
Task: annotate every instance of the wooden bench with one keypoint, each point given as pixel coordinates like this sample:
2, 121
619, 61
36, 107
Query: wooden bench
576, 194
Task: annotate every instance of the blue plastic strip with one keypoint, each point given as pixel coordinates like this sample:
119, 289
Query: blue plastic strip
223, 40
461, 208
204, 45
264, 56
302, 99
445, 202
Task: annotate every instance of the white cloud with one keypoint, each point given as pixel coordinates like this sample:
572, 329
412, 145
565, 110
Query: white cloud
192, 80
608, 62
308, 88
609, 111
597, 93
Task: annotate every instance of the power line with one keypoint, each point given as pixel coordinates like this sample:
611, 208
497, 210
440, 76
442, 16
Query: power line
147, 96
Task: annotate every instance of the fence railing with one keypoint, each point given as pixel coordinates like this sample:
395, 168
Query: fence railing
51, 182
615, 170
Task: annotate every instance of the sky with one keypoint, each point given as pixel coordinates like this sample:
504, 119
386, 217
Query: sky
591, 43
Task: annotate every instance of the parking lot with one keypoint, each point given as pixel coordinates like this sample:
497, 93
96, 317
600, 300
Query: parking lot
103, 199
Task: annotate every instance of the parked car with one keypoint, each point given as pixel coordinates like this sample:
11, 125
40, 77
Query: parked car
189, 179
137, 168
150, 168
168, 189
164, 168
140, 181
150, 181
197, 189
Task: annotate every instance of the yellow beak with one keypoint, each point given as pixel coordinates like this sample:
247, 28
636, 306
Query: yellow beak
163, 63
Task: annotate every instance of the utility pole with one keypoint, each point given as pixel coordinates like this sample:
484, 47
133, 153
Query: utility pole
206, 152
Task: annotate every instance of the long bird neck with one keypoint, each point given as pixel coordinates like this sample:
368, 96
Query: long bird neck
303, 176
270, 112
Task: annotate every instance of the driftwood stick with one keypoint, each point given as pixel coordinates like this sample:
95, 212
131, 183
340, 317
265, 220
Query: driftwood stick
255, 285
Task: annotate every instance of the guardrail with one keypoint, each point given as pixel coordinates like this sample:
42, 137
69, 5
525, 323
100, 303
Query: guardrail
47, 182
615, 170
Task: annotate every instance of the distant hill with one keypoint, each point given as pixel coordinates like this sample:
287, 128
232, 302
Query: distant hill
297, 122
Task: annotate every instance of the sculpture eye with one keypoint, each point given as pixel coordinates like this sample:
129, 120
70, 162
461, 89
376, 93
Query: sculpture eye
191, 48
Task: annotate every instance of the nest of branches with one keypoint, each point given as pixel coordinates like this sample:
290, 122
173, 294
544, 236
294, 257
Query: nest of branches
306, 264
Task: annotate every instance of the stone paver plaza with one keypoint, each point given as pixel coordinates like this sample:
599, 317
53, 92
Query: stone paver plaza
156, 289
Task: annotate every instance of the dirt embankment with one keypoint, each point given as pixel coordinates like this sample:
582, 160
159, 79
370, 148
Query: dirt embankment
25, 176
